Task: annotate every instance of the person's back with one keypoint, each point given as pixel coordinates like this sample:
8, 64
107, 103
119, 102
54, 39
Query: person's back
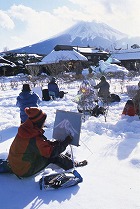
103, 87
53, 87
26, 98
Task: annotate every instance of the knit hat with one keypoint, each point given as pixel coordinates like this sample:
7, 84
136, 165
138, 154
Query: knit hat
35, 114
26, 87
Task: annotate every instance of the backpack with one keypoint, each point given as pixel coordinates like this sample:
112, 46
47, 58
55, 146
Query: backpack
98, 111
45, 95
60, 180
61, 94
115, 98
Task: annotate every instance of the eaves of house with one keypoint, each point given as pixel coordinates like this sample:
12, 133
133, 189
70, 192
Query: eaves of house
132, 54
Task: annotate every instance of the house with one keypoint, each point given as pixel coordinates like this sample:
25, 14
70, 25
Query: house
93, 55
6, 67
61, 59
130, 58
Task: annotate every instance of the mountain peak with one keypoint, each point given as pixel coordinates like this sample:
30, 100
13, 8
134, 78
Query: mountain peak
90, 30
93, 34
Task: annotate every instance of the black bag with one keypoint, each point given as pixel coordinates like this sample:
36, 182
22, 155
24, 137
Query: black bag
115, 98
45, 95
61, 94
98, 111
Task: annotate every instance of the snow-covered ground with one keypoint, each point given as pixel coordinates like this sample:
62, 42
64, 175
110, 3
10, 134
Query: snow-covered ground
111, 180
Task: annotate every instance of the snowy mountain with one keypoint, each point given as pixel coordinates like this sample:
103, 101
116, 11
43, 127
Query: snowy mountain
92, 30
93, 34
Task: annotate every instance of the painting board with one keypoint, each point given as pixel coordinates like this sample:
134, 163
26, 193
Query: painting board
67, 123
38, 91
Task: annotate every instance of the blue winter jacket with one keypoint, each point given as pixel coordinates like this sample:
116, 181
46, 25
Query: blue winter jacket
52, 86
27, 99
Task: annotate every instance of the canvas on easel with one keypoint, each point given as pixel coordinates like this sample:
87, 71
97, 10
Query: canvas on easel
38, 91
67, 123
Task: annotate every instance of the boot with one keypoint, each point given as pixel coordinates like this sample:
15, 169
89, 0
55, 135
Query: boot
81, 164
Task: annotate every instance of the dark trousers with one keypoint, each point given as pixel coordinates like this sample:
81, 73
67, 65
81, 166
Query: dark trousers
41, 163
62, 161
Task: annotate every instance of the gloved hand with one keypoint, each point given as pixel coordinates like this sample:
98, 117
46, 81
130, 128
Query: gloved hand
68, 139
55, 143
60, 146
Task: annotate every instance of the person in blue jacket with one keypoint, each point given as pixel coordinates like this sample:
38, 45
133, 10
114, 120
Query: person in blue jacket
26, 98
53, 87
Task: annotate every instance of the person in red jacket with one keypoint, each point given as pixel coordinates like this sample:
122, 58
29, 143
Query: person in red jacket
129, 108
31, 152
136, 100
132, 106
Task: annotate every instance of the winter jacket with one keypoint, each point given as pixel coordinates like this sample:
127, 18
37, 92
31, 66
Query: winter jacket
129, 108
52, 86
103, 87
27, 99
31, 152
136, 101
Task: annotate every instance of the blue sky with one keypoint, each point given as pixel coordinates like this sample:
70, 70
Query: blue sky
24, 22
35, 4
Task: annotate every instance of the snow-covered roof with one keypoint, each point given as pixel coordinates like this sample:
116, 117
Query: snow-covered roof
131, 54
57, 56
35, 64
5, 61
30, 55
4, 64
63, 55
89, 50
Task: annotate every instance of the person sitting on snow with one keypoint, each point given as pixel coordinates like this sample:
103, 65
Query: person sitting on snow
104, 88
31, 151
136, 100
129, 108
53, 87
132, 107
54, 91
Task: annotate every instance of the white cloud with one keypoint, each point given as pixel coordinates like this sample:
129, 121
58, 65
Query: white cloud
121, 14
39, 25
5, 21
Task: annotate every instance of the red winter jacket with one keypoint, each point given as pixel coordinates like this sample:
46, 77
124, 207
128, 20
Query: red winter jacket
129, 110
30, 151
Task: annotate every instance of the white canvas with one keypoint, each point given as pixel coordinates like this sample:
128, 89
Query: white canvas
38, 90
